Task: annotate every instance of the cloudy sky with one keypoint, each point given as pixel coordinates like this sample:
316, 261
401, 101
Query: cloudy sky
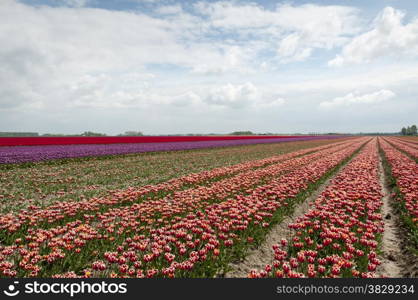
165, 66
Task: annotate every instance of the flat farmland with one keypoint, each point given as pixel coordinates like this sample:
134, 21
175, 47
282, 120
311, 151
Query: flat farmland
335, 207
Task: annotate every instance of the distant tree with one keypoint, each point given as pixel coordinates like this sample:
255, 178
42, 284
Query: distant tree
133, 133
410, 130
91, 133
13, 134
414, 130
242, 133
53, 134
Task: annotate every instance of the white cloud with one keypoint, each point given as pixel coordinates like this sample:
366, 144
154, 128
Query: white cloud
64, 44
269, 103
389, 37
242, 95
185, 99
169, 9
297, 30
340, 81
99, 40
229, 58
186, 68
235, 96
231, 15
290, 48
132, 92
355, 98
47, 50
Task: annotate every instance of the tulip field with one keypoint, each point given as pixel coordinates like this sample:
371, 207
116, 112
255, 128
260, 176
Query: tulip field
47, 148
178, 209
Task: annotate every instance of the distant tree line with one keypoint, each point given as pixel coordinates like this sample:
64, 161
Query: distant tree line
85, 133
17, 134
410, 130
131, 133
241, 133
374, 133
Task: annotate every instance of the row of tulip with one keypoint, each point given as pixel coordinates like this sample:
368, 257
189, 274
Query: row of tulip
181, 201
410, 139
74, 244
404, 173
205, 239
44, 183
338, 236
21, 154
409, 148
108, 140
412, 142
63, 211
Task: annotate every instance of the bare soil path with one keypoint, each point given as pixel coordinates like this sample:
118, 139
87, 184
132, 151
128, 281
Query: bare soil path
397, 259
392, 257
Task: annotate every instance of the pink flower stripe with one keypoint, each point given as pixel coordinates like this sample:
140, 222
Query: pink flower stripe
413, 141
338, 237
411, 149
405, 171
35, 215
195, 226
186, 200
213, 229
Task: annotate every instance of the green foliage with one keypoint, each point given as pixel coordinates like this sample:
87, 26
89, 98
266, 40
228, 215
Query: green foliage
410, 130
242, 133
17, 134
132, 133
91, 133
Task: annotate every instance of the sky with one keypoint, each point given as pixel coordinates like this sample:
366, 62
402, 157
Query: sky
176, 67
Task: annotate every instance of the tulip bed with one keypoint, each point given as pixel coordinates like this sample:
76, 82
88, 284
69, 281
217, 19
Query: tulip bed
43, 183
410, 149
20, 154
246, 174
83, 140
187, 227
339, 236
413, 140
403, 172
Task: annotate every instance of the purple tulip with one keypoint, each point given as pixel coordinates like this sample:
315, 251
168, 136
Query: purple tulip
19, 154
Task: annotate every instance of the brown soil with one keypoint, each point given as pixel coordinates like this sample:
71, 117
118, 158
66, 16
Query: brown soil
392, 262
